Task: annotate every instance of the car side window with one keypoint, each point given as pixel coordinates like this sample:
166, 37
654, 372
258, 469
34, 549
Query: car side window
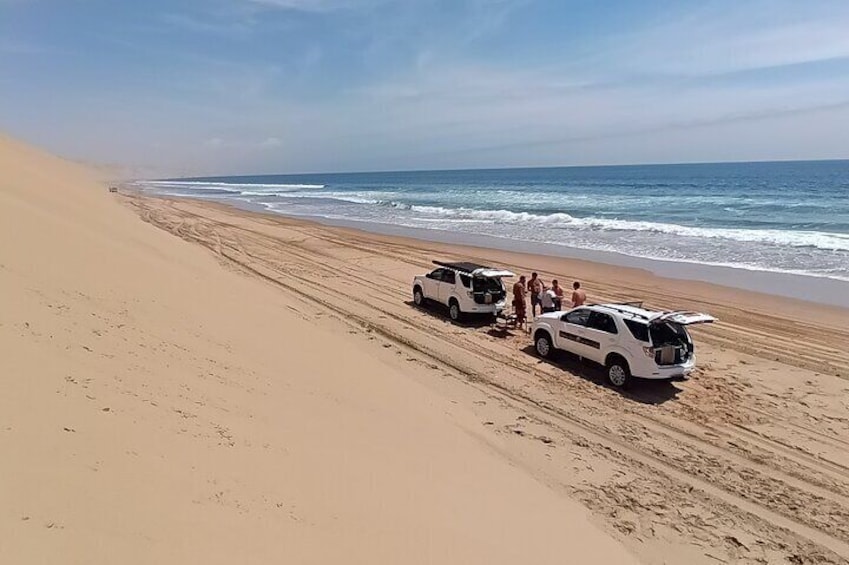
577, 317
436, 275
449, 276
467, 280
603, 322
638, 329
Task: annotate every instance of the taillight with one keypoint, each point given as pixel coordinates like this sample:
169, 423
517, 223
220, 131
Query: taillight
649, 351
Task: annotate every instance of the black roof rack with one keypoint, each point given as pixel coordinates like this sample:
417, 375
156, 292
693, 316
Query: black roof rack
461, 266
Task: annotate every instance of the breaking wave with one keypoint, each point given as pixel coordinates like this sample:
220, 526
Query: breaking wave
813, 239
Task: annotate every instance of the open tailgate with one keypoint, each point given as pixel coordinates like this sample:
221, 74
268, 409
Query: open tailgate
683, 318
492, 273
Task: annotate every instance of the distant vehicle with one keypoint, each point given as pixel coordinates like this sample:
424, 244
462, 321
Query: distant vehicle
628, 340
465, 288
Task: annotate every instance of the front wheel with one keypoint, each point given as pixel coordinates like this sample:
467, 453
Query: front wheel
543, 345
418, 297
618, 372
454, 311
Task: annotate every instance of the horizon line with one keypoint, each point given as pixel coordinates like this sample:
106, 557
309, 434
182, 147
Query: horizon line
517, 168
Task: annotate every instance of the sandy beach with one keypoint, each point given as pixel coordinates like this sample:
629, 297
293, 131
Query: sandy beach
187, 382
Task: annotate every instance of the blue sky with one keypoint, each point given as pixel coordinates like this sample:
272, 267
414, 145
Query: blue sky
262, 86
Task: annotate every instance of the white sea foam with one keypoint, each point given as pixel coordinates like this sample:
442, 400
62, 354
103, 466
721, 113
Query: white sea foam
813, 239
229, 187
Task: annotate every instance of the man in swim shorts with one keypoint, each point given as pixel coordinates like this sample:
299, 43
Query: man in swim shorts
519, 301
535, 288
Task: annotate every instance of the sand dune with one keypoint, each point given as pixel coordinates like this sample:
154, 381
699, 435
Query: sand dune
158, 408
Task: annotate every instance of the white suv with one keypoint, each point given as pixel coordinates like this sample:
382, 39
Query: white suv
465, 288
627, 339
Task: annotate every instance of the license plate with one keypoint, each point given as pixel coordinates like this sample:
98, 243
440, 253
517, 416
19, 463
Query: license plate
487, 299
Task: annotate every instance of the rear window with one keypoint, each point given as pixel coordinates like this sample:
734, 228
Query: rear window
483, 284
638, 329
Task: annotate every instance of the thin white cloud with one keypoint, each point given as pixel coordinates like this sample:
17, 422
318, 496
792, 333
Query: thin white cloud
311, 5
9, 46
270, 142
213, 142
716, 37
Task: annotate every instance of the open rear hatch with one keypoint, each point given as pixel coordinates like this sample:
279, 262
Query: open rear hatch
682, 317
672, 344
487, 287
492, 273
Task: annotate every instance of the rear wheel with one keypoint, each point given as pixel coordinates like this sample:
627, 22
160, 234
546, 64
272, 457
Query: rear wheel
454, 311
543, 345
418, 297
618, 372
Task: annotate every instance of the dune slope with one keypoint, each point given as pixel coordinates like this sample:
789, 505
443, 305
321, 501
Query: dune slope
156, 407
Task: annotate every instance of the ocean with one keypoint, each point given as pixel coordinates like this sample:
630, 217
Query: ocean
789, 217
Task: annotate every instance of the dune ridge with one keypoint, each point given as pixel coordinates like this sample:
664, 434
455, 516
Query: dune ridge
158, 407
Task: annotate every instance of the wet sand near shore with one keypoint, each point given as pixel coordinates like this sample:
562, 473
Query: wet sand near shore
746, 462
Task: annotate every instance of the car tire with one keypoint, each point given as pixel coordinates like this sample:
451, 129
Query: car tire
418, 296
543, 345
454, 311
618, 372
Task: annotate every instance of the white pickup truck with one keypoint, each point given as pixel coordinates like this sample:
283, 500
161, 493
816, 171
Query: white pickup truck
465, 288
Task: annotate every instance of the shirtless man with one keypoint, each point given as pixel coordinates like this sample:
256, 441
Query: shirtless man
578, 295
519, 301
558, 294
535, 288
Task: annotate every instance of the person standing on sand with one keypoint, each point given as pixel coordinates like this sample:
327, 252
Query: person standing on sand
519, 301
579, 297
535, 288
558, 294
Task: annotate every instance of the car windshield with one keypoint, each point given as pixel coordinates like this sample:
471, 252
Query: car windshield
484, 284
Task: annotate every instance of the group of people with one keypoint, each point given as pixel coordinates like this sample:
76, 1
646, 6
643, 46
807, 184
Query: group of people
548, 299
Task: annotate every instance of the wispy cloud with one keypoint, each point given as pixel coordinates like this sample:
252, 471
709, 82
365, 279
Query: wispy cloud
712, 38
314, 5
9, 46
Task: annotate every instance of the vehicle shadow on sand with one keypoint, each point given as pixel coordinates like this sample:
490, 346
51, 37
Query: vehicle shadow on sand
644, 391
440, 312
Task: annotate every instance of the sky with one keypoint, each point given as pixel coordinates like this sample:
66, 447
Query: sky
195, 87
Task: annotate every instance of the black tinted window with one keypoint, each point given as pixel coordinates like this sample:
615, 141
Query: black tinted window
449, 276
638, 329
483, 284
603, 322
436, 275
467, 280
578, 317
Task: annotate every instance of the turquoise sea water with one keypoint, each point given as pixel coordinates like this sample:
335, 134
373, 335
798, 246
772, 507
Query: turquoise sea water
781, 216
